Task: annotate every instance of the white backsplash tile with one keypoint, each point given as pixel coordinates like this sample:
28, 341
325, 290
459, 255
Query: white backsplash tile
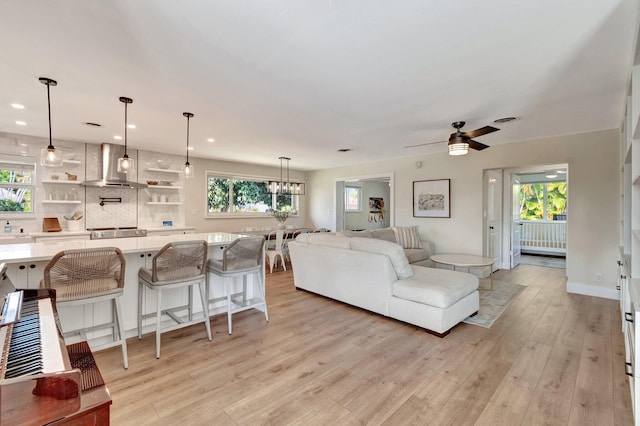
123, 214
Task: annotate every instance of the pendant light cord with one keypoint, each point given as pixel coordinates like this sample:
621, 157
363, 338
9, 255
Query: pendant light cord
125, 130
49, 107
188, 117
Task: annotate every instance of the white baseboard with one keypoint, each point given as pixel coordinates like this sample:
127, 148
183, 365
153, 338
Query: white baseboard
593, 290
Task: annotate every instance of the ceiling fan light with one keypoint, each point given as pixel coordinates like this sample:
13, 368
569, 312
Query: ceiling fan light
458, 148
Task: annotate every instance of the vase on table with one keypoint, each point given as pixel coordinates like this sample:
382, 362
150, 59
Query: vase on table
281, 225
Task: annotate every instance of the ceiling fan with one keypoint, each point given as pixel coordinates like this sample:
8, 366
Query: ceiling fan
460, 142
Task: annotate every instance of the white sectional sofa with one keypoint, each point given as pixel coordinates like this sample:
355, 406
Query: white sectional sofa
375, 275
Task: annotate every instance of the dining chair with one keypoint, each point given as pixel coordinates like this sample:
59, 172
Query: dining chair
84, 276
176, 265
275, 249
242, 258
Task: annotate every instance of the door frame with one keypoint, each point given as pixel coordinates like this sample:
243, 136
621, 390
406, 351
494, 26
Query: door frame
508, 202
338, 207
485, 220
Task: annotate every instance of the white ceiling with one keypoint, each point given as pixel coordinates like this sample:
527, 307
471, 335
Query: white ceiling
304, 78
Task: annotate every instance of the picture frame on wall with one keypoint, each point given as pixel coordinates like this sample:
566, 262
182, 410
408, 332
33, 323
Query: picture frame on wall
432, 198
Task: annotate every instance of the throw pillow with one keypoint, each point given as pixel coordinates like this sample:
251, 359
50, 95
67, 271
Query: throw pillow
407, 237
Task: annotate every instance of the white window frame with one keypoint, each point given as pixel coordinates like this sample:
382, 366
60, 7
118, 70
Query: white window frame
295, 199
25, 163
358, 190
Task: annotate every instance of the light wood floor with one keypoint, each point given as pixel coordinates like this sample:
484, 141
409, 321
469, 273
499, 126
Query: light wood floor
551, 358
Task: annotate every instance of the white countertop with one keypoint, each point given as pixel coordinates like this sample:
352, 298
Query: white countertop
34, 252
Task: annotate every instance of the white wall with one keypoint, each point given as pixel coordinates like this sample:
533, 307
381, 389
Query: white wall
593, 198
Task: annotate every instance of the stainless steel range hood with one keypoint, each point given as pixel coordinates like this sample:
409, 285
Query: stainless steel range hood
108, 169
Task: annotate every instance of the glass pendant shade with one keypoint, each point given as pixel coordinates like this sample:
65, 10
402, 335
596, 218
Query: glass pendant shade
188, 169
125, 164
50, 156
458, 148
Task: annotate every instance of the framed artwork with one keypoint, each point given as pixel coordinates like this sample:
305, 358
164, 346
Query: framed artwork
431, 198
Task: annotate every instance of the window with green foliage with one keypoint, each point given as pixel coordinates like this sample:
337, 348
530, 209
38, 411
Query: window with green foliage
543, 201
17, 177
244, 195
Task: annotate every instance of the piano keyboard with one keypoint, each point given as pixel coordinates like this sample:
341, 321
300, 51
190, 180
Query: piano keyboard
30, 346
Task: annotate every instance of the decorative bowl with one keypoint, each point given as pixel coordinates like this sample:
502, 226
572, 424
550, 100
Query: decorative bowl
152, 182
163, 164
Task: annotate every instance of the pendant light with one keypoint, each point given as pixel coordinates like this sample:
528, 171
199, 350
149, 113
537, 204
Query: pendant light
285, 187
125, 164
50, 156
188, 168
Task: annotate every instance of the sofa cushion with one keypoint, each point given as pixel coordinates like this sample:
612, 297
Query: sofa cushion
324, 240
416, 255
393, 250
386, 234
435, 287
350, 234
407, 236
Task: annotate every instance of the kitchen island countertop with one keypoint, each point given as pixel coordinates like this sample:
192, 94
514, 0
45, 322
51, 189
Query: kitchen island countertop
15, 253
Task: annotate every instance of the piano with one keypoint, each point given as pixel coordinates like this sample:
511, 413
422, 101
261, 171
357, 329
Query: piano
43, 381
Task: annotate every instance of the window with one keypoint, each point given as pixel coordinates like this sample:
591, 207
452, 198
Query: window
352, 199
543, 201
17, 175
243, 195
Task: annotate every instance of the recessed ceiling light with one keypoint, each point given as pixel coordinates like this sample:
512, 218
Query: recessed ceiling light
211, 140
564, 172
131, 126
551, 175
90, 124
117, 137
344, 150
21, 123
17, 106
190, 148
504, 120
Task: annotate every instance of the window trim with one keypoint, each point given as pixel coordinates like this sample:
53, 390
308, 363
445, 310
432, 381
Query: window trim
28, 163
359, 192
295, 200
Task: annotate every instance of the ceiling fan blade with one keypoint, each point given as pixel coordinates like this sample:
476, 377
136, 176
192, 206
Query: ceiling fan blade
481, 131
424, 144
477, 145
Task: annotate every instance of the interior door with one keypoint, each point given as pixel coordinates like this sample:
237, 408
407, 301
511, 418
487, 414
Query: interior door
493, 214
516, 224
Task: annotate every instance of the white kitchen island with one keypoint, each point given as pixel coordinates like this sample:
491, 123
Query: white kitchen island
26, 262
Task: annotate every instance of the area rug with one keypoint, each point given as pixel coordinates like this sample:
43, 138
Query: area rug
494, 302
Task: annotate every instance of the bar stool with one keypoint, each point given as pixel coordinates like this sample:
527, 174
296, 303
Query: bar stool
241, 258
177, 264
88, 276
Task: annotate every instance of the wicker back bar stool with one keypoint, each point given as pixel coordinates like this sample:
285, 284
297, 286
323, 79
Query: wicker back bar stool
85, 276
241, 258
177, 264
